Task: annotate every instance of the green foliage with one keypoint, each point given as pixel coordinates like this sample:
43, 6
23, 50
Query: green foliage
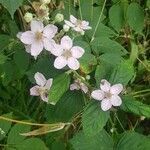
4, 126
101, 141
122, 73
106, 45
94, 119
135, 17
133, 141
62, 81
136, 107
116, 16
11, 5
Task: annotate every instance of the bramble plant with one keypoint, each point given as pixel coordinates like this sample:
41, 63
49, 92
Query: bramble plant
74, 74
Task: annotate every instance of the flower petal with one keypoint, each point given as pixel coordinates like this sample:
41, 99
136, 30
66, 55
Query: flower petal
49, 83
36, 26
28, 48
116, 100
78, 29
48, 44
50, 31
69, 24
84, 88
56, 50
19, 35
36, 48
27, 37
44, 97
73, 63
97, 94
73, 19
77, 51
60, 62
74, 86
106, 104
40, 79
85, 25
66, 42
35, 91
116, 89
105, 85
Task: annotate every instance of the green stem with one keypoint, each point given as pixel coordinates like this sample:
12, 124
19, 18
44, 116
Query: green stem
142, 91
80, 10
119, 122
99, 19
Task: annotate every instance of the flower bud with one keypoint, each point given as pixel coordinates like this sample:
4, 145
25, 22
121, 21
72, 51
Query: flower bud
59, 17
45, 1
66, 28
88, 77
28, 17
82, 32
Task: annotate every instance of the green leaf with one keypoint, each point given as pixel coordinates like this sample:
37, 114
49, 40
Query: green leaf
3, 59
122, 73
103, 71
14, 136
133, 141
101, 141
106, 45
45, 66
59, 87
11, 5
135, 17
4, 40
136, 107
116, 16
32, 144
94, 119
4, 126
21, 59
70, 103
134, 52
87, 63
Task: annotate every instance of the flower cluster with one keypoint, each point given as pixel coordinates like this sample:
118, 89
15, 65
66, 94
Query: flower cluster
42, 37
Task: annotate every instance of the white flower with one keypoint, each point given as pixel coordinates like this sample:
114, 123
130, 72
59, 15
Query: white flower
28, 17
67, 54
42, 87
39, 37
59, 17
108, 95
78, 25
77, 85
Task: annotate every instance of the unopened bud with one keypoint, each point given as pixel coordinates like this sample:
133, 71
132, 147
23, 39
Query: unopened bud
88, 77
59, 17
82, 32
28, 17
66, 28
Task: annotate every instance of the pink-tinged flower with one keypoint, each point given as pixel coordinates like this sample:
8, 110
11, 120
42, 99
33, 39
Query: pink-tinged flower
39, 37
78, 25
67, 54
108, 95
77, 85
42, 87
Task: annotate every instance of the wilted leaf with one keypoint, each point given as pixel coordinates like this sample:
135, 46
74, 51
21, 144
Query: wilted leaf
45, 129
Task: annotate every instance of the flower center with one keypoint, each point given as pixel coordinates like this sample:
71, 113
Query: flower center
79, 23
108, 95
38, 36
67, 54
